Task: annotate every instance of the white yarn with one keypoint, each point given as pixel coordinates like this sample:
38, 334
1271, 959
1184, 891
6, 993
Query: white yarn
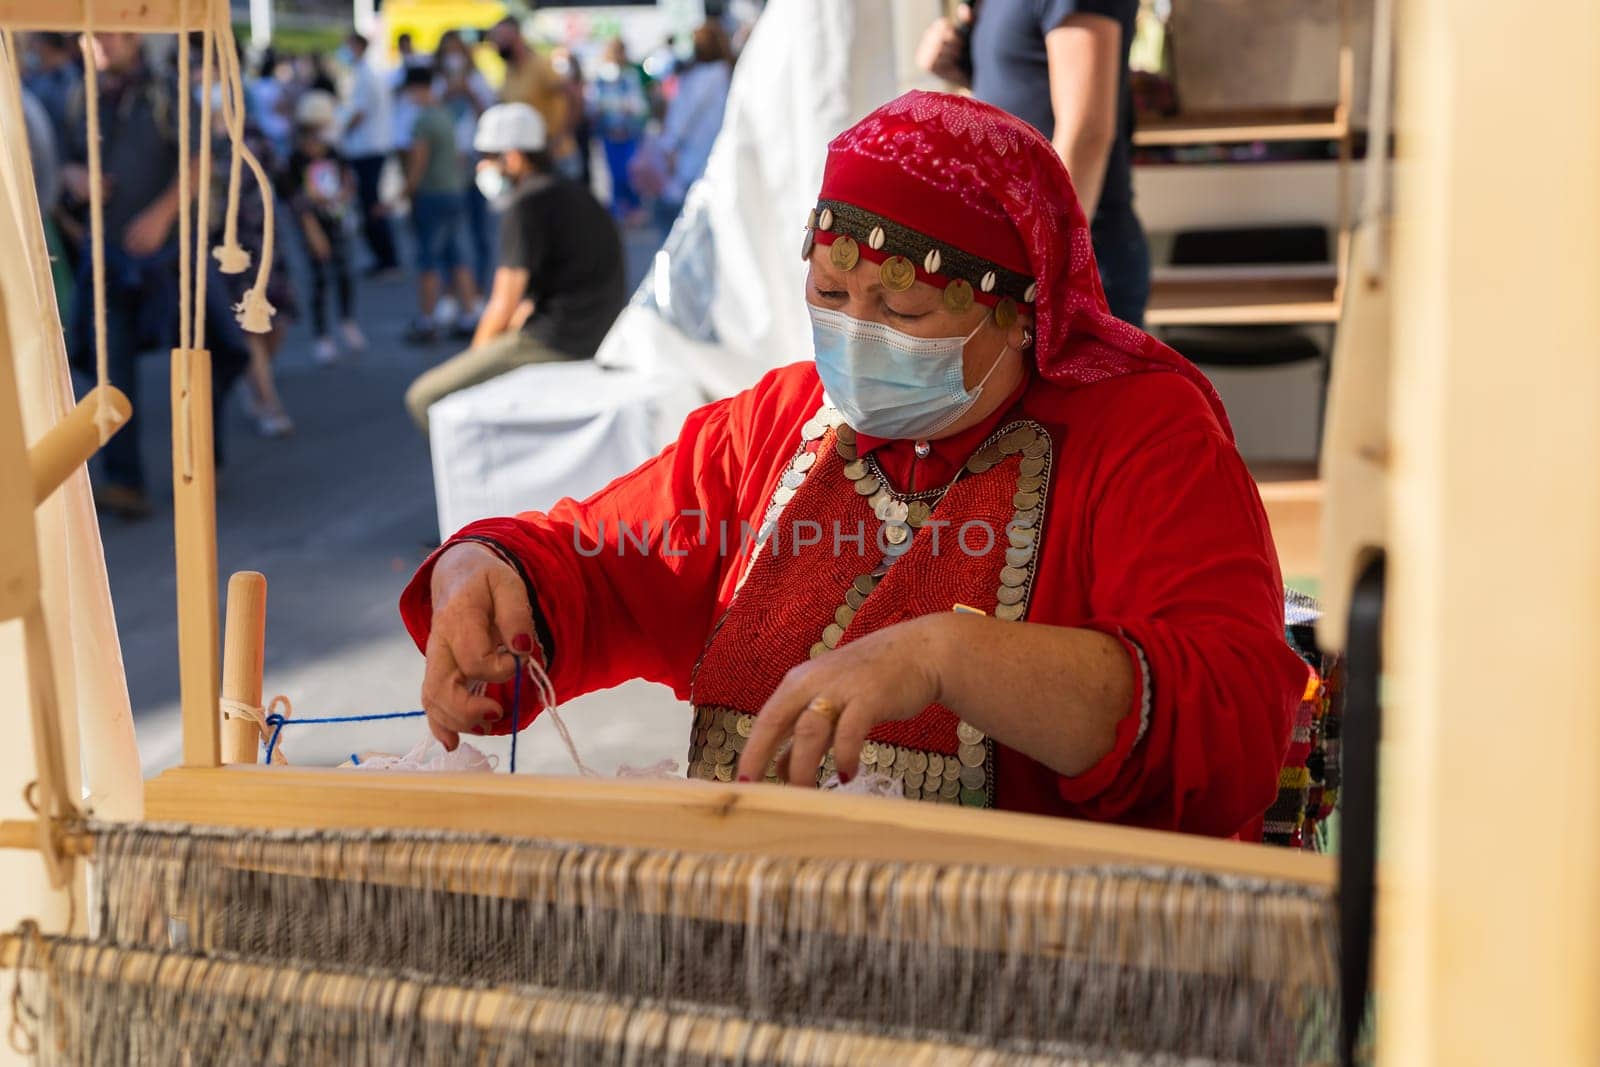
238, 709
429, 755
866, 784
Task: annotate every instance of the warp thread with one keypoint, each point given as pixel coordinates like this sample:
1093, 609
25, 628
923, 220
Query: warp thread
276, 721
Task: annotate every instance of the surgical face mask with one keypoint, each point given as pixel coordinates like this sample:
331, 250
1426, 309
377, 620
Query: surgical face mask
345, 55
492, 182
890, 384
455, 63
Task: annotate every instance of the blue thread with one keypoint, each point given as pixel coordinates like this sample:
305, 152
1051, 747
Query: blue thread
278, 722
516, 710
355, 760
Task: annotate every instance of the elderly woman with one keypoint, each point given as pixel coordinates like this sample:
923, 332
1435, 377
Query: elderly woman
992, 542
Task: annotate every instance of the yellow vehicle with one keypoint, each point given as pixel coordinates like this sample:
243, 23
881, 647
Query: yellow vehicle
426, 20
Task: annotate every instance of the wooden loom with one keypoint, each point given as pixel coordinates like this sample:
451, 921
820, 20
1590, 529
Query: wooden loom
691, 818
1491, 957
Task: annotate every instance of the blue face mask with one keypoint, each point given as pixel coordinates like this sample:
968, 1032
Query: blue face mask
889, 384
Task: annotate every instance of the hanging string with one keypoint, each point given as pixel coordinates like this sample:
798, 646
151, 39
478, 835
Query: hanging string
185, 194
105, 419
208, 41
547, 700
254, 310
516, 713
231, 258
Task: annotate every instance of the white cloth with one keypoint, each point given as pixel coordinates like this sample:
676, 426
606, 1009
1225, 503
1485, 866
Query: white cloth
810, 68
526, 439
370, 98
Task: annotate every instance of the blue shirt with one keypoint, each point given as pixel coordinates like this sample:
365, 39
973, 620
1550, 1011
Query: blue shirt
1010, 70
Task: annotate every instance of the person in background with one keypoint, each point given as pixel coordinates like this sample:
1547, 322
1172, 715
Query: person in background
404, 113
619, 107
368, 136
320, 75
436, 178
140, 155
268, 103
571, 151
54, 77
559, 285
320, 188
694, 117
262, 399
1062, 67
46, 157
531, 80
466, 93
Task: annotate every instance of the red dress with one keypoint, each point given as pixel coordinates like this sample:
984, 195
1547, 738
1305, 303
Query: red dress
1120, 506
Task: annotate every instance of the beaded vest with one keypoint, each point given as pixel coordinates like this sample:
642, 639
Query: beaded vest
841, 554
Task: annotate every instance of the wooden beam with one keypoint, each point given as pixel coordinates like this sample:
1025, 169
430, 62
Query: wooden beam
194, 513
1325, 123
1489, 937
71, 16
1264, 300
695, 817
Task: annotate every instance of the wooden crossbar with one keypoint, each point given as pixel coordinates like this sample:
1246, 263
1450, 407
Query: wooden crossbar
752, 819
128, 16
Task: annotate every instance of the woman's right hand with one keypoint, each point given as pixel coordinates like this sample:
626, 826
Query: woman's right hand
481, 615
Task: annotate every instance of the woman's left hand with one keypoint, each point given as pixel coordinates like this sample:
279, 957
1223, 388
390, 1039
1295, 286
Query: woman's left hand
836, 699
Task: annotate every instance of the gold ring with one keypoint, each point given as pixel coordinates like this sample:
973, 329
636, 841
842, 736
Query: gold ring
826, 708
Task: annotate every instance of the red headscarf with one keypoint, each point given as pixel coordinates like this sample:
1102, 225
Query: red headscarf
970, 176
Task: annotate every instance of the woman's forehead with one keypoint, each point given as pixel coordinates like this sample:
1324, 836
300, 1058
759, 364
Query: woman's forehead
865, 271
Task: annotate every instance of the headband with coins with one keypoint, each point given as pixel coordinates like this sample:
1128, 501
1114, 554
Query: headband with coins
903, 257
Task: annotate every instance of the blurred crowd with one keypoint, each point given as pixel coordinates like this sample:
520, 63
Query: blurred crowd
376, 167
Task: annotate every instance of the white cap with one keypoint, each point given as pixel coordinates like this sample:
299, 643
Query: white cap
507, 127
316, 109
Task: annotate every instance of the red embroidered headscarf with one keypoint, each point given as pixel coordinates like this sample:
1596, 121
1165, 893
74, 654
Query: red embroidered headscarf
947, 190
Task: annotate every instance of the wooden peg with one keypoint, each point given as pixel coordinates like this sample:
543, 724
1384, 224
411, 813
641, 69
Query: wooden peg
71, 442
243, 655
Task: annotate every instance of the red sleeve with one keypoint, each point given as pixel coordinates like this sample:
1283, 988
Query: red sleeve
627, 580
1183, 566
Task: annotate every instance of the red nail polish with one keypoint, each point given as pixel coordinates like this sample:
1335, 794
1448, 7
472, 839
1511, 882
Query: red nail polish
844, 779
522, 643
478, 730
744, 778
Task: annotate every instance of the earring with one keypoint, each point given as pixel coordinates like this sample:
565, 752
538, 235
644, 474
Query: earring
1027, 337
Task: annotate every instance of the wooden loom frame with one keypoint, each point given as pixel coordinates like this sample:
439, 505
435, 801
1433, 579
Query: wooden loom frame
691, 816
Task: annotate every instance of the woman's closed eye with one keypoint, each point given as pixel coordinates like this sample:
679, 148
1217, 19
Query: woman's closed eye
905, 316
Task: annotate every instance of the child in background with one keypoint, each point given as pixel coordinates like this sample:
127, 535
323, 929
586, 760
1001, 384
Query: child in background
436, 179
319, 188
